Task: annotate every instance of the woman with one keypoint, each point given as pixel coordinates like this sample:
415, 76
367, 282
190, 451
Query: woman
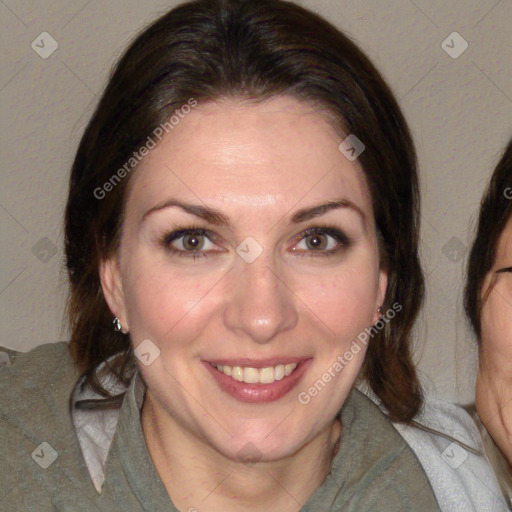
241, 241
488, 303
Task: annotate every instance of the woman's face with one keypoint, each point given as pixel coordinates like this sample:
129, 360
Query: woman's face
494, 382
251, 289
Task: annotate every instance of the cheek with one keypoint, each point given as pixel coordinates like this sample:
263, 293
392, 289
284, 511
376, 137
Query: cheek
343, 301
174, 303
497, 322
161, 301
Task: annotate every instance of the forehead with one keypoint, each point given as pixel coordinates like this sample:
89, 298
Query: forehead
504, 247
237, 154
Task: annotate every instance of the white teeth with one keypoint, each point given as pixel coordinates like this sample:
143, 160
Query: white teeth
266, 375
237, 373
289, 369
250, 375
279, 372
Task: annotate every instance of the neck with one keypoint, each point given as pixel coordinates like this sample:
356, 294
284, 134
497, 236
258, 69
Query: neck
197, 476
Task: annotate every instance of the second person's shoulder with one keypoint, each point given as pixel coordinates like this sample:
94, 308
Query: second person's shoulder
448, 444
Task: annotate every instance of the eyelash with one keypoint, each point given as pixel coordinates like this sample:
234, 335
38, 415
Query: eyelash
503, 270
339, 236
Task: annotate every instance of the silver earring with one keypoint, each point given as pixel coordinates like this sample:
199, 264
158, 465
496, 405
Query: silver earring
379, 309
117, 324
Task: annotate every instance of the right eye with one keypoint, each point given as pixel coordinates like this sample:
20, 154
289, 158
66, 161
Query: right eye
189, 242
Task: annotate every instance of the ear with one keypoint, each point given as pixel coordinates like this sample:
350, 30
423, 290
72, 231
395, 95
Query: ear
112, 286
381, 294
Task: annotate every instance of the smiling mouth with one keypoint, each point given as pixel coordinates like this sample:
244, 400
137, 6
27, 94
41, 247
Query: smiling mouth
251, 375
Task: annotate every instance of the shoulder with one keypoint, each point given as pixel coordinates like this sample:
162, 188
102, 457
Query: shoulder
383, 470
448, 444
35, 386
41, 365
44, 356
39, 454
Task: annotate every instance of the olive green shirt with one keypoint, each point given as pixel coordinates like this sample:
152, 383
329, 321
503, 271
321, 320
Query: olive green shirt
42, 466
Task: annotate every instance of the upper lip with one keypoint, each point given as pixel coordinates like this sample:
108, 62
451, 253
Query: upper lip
258, 363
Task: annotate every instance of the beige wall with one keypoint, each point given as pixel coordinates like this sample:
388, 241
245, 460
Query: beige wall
460, 111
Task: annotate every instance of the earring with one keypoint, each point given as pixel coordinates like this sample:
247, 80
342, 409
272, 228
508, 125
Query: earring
379, 309
117, 324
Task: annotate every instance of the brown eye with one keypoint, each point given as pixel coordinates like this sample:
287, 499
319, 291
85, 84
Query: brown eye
189, 242
321, 241
193, 242
316, 241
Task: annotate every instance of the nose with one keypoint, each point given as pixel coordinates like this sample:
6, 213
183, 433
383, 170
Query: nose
260, 305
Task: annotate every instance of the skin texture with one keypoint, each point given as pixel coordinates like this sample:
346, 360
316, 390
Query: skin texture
258, 165
494, 381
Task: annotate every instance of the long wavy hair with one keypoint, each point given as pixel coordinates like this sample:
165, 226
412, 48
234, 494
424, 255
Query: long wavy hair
253, 50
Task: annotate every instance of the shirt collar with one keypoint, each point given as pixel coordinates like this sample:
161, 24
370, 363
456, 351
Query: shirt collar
95, 429
120, 431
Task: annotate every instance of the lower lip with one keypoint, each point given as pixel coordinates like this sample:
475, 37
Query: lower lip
258, 393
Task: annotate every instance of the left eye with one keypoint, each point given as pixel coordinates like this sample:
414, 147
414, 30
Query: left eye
323, 241
318, 241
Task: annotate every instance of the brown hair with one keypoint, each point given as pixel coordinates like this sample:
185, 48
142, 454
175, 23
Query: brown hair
253, 50
495, 211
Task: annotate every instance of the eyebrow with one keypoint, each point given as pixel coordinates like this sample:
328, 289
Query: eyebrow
215, 217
